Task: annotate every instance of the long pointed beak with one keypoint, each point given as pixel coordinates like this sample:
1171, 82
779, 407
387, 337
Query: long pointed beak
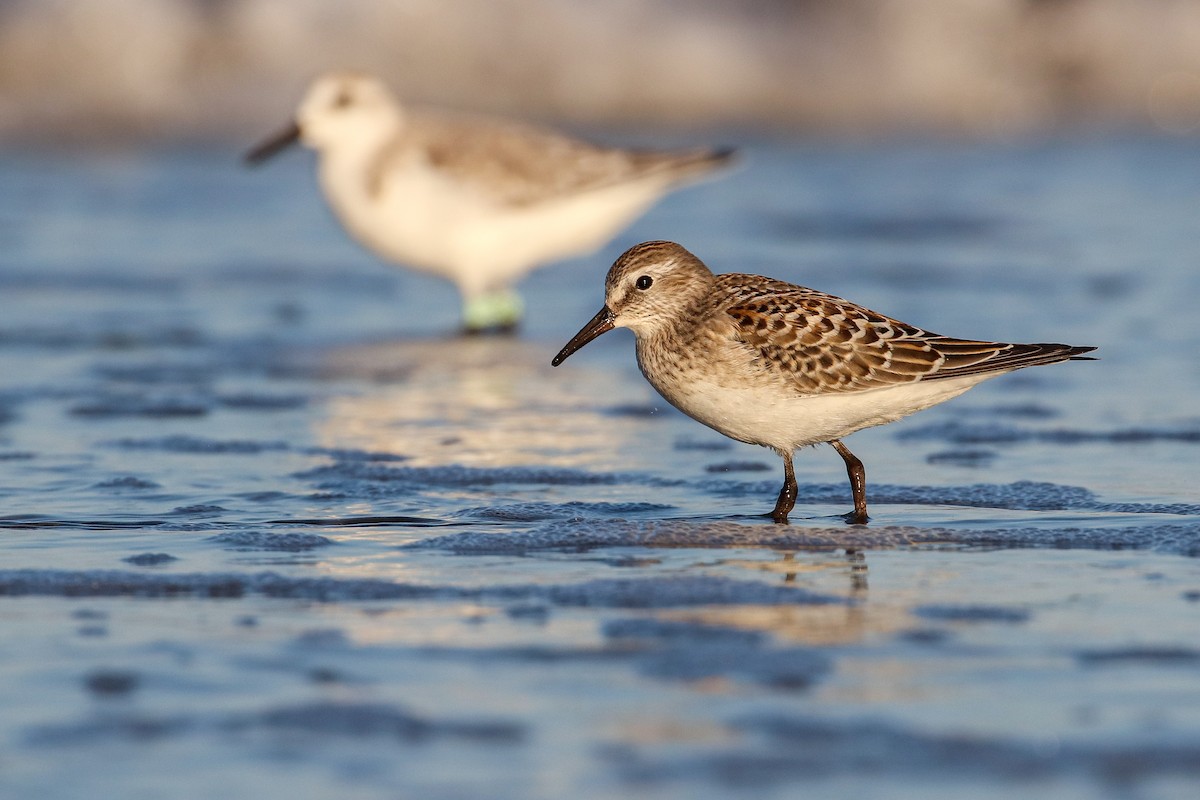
601, 323
272, 145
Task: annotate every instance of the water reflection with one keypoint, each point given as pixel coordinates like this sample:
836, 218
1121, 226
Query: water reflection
843, 574
856, 559
476, 402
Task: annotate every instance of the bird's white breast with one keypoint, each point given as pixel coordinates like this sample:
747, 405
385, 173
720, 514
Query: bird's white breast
777, 416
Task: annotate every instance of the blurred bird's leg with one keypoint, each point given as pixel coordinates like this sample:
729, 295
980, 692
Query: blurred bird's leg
492, 311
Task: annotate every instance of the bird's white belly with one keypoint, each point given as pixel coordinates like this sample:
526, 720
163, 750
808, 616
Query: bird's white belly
431, 222
511, 241
413, 224
784, 421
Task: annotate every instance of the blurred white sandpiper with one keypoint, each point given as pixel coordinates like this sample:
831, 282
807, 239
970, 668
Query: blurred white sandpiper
478, 201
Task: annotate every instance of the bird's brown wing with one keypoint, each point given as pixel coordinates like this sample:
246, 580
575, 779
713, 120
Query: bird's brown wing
522, 165
821, 343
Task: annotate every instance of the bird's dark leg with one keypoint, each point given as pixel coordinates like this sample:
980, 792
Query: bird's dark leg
787, 495
858, 482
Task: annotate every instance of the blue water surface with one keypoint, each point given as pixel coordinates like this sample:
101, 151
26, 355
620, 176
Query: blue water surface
269, 528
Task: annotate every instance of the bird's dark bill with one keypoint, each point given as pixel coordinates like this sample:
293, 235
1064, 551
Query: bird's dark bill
269, 147
601, 323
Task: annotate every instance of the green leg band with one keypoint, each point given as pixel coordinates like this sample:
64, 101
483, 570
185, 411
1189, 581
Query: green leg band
500, 309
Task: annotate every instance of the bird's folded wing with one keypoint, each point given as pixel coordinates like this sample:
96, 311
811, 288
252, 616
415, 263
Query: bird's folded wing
821, 344
515, 165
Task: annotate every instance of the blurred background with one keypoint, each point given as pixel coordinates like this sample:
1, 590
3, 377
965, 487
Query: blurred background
268, 528
122, 70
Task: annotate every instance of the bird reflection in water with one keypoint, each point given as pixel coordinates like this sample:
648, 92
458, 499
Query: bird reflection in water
815, 624
855, 558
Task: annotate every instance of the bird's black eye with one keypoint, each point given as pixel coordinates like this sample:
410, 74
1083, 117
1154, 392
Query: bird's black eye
644, 282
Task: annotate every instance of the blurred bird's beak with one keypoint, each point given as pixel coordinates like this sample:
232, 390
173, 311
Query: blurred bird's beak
269, 147
601, 323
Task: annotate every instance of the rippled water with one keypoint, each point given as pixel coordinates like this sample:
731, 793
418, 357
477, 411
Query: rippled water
269, 529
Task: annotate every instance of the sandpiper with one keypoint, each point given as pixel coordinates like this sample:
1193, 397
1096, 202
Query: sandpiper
779, 365
478, 201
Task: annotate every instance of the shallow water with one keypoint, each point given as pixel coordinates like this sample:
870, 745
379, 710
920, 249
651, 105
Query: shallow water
269, 529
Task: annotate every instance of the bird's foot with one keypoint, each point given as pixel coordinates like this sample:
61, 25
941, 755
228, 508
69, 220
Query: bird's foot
855, 518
